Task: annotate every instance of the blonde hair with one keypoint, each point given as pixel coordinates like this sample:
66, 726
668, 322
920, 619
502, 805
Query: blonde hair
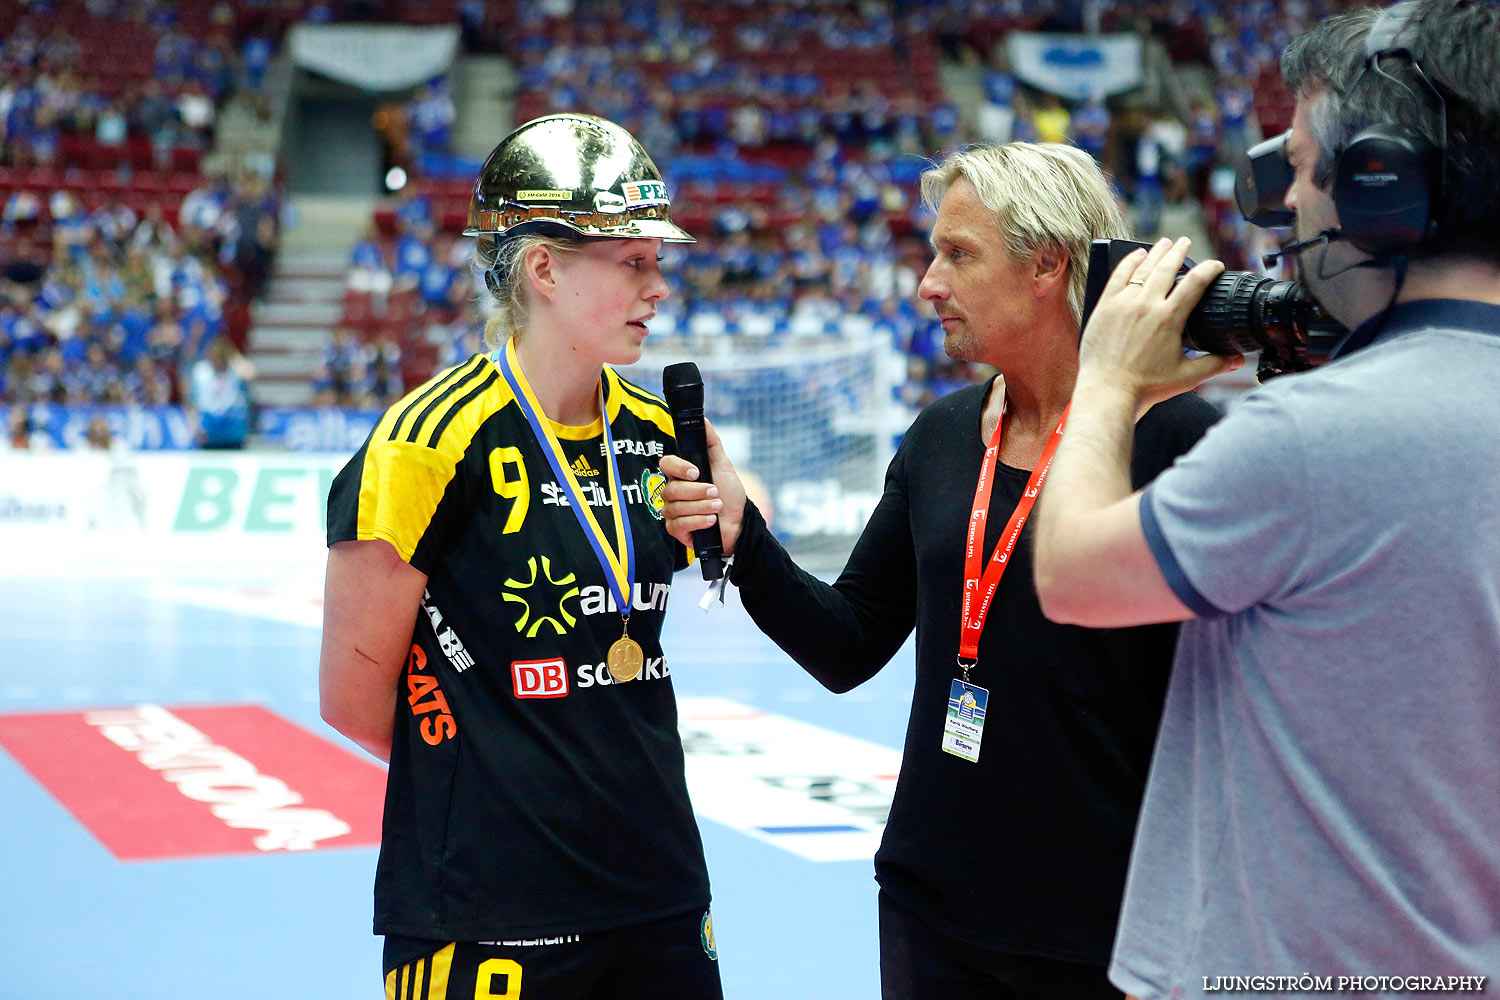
1044, 195
507, 258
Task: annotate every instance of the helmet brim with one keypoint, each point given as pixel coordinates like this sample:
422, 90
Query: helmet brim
654, 229
634, 229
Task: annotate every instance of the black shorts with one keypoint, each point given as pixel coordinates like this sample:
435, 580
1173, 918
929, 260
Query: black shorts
920, 962
671, 959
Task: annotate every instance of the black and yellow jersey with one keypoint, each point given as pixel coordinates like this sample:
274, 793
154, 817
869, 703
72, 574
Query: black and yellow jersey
528, 794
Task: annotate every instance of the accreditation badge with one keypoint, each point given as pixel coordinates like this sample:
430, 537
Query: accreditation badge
964, 727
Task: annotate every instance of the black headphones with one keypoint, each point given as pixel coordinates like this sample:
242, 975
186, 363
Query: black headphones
1388, 182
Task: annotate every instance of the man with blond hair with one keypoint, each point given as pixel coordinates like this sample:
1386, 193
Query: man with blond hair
1003, 860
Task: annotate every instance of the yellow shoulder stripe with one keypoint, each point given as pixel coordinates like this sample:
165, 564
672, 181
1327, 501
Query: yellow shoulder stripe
406, 475
482, 387
399, 490
655, 411
397, 423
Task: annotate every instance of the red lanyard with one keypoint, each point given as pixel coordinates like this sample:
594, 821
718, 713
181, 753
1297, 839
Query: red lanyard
980, 591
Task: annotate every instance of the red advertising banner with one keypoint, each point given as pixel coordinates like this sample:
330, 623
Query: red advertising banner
151, 782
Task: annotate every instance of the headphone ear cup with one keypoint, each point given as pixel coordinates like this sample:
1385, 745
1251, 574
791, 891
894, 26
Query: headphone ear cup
1384, 188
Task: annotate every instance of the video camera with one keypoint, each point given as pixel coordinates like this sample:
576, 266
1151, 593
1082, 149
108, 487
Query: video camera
1243, 312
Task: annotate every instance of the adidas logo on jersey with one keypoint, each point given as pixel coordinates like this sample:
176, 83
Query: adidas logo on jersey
583, 468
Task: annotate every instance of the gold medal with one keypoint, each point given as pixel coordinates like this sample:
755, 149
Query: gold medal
625, 659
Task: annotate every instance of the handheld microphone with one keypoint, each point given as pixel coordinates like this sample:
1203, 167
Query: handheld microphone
1294, 249
683, 387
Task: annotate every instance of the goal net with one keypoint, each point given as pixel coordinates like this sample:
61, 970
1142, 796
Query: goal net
812, 421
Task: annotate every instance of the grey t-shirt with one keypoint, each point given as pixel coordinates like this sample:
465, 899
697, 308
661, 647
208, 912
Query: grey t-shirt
1325, 793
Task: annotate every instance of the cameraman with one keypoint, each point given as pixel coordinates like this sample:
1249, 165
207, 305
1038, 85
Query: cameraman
1325, 792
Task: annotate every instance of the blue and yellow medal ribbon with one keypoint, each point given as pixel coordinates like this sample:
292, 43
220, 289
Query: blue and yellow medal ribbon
618, 561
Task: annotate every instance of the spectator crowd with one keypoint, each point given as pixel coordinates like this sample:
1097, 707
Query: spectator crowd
121, 265
794, 138
793, 135
110, 307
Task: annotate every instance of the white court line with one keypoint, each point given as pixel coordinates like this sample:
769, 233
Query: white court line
817, 793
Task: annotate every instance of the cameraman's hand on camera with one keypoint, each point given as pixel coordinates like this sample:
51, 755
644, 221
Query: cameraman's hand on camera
691, 505
1133, 341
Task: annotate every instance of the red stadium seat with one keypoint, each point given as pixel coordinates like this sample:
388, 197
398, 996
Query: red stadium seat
419, 360
44, 179
137, 153
453, 216
186, 158
110, 183
75, 148
385, 219
148, 182
401, 306
359, 310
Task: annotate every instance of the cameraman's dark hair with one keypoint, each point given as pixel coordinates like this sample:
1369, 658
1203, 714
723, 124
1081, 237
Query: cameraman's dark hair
1459, 46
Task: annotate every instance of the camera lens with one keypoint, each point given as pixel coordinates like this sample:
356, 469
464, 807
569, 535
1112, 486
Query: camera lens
1224, 321
1243, 312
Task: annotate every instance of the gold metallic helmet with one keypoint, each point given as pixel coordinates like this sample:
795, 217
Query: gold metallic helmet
574, 176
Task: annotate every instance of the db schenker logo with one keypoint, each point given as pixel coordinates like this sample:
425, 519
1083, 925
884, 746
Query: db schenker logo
540, 678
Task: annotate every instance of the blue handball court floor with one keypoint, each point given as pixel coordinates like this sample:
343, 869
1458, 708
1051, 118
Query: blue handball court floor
128, 674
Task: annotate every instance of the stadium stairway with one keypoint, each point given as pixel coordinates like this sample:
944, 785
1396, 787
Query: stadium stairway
249, 129
291, 329
304, 300
963, 84
484, 98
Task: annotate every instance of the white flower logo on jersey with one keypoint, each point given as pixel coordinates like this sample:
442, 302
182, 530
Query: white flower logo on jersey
543, 601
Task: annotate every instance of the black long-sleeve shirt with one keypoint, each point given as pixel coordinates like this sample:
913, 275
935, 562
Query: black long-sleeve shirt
1024, 851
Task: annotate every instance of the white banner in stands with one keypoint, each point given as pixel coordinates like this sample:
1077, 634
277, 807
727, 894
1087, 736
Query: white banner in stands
81, 508
375, 57
1076, 66
153, 493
